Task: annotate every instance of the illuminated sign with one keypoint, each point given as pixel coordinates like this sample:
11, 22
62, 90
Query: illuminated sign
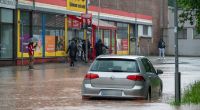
76, 5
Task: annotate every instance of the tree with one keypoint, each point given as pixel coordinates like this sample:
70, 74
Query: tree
190, 12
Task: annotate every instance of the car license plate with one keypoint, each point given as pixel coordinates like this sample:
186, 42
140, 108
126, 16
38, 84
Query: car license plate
111, 93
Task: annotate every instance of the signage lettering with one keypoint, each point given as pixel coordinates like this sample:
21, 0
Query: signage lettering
76, 5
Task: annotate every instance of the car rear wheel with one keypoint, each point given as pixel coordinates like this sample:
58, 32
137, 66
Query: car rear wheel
148, 96
160, 91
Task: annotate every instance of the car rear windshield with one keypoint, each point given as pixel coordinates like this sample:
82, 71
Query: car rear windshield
115, 65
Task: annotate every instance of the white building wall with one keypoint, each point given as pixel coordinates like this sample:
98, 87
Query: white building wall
187, 47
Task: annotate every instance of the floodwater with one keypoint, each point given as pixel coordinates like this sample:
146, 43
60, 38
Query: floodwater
58, 87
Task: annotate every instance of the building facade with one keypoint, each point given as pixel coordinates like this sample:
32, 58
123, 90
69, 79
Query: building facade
188, 38
7, 30
52, 24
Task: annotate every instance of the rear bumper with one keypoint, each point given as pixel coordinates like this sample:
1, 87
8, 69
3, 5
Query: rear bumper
135, 92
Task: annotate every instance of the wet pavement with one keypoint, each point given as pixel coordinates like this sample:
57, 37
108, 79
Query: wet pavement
56, 86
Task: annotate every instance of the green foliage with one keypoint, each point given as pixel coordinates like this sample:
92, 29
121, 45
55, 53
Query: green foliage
191, 94
191, 12
175, 103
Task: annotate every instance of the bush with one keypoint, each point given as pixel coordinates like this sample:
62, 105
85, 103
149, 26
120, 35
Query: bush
191, 94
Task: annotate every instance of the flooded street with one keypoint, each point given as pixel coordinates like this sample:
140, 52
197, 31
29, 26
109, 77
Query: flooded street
58, 87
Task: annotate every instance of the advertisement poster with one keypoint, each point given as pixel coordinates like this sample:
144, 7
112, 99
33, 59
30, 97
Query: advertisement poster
119, 44
125, 44
24, 40
60, 45
38, 40
50, 44
73, 23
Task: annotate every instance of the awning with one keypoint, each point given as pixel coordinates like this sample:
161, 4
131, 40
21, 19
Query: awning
103, 24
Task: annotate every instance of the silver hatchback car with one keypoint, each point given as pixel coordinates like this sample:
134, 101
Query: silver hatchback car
122, 77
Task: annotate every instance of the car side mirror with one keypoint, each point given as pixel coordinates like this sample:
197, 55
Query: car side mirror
159, 72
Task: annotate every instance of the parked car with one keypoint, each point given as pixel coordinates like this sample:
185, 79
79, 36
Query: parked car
114, 76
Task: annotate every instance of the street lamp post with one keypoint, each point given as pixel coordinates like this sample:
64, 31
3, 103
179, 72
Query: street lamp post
86, 41
177, 73
99, 16
22, 42
136, 35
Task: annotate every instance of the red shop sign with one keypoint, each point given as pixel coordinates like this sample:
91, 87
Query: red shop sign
125, 44
74, 22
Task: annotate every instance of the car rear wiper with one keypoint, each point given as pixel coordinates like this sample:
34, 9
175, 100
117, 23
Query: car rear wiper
118, 71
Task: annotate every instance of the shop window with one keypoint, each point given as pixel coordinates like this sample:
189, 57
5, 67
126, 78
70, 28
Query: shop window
37, 32
6, 16
6, 41
54, 34
122, 37
25, 34
182, 33
145, 30
107, 37
6, 33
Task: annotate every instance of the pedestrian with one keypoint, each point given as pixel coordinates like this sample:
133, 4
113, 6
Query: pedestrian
161, 47
84, 50
31, 48
89, 50
72, 48
99, 47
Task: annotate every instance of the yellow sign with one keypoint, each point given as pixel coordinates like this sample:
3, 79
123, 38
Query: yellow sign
76, 5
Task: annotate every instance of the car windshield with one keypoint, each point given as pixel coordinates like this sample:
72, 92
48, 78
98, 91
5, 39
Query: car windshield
114, 65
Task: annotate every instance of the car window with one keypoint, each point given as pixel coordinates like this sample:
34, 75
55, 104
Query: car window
147, 65
152, 69
115, 65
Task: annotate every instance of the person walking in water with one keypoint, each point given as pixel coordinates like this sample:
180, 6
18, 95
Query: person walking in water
72, 48
99, 47
161, 47
31, 48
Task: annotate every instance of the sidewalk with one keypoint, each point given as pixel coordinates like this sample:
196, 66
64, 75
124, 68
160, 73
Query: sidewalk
153, 59
167, 60
45, 66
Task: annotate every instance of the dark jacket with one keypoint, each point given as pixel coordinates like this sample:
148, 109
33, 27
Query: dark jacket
99, 48
83, 46
161, 44
72, 49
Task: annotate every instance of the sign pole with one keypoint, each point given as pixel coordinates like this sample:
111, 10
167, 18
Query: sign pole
86, 41
177, 73
22, 41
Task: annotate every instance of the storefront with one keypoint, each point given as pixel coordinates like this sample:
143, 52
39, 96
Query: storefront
47, 30
52, 25
7, 31
104, 31
107, 33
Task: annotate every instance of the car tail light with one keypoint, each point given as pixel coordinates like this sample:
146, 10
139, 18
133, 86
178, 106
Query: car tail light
135, 77
91, 76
